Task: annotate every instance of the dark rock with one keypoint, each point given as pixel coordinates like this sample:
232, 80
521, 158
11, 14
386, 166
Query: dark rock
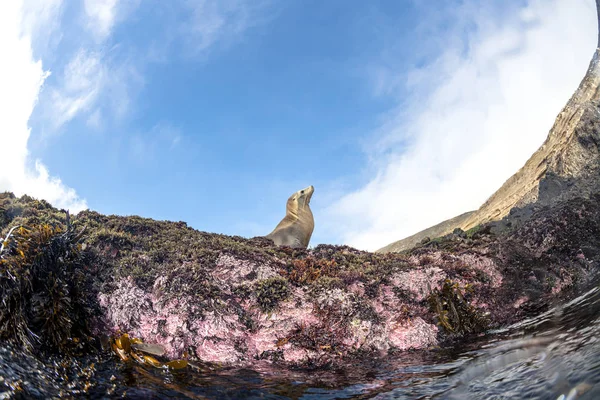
459, 232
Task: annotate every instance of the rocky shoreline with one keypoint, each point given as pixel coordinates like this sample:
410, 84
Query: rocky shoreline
238, 302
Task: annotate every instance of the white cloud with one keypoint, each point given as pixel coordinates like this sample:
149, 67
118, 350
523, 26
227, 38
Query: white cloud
21, 78
101, 16
41, 20
474, 117
96, 77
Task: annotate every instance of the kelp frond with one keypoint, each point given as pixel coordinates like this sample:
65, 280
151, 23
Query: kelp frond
38, 274
453, 311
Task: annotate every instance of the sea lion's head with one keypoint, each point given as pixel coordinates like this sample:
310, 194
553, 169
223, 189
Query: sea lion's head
299, 201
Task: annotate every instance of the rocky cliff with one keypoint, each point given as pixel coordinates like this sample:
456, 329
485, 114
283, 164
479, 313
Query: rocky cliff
567, 165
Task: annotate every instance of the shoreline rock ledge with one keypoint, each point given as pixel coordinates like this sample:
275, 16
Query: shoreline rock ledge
243, 302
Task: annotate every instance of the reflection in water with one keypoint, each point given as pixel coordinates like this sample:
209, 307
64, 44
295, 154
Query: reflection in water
553, 356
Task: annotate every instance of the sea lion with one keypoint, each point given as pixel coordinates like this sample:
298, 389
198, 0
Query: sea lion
296, 228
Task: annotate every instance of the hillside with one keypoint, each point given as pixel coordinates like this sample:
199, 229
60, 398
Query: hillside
438, 230
565, 166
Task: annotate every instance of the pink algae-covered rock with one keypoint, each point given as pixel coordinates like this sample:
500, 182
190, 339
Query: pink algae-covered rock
222, 338
564, 280
419, 282
125, 305
242, 302
229, 269
221, 335
413, 334
484, 265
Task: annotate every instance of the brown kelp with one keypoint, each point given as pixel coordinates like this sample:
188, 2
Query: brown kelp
41, 275
131, 348
454, 313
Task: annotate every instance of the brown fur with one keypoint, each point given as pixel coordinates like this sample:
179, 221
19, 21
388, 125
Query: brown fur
296, 228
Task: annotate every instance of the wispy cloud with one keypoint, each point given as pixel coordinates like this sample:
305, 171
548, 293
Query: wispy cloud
222, 21
94, 121
94, 86
81, 83
21, 78
99, 77
474, 116
101, 16
144, 147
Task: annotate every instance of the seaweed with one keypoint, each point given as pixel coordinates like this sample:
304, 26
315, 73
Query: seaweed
130, 348
41, 280
453, 311
309, 269
269, 292
315, 337
326, 337
473, 231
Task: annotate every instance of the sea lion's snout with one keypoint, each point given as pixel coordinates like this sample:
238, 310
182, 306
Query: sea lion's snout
308, 191
306, 194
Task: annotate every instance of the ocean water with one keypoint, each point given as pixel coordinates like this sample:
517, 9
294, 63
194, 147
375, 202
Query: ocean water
555, 355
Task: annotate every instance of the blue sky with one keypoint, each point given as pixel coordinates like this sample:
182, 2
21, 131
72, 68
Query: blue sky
400, 113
